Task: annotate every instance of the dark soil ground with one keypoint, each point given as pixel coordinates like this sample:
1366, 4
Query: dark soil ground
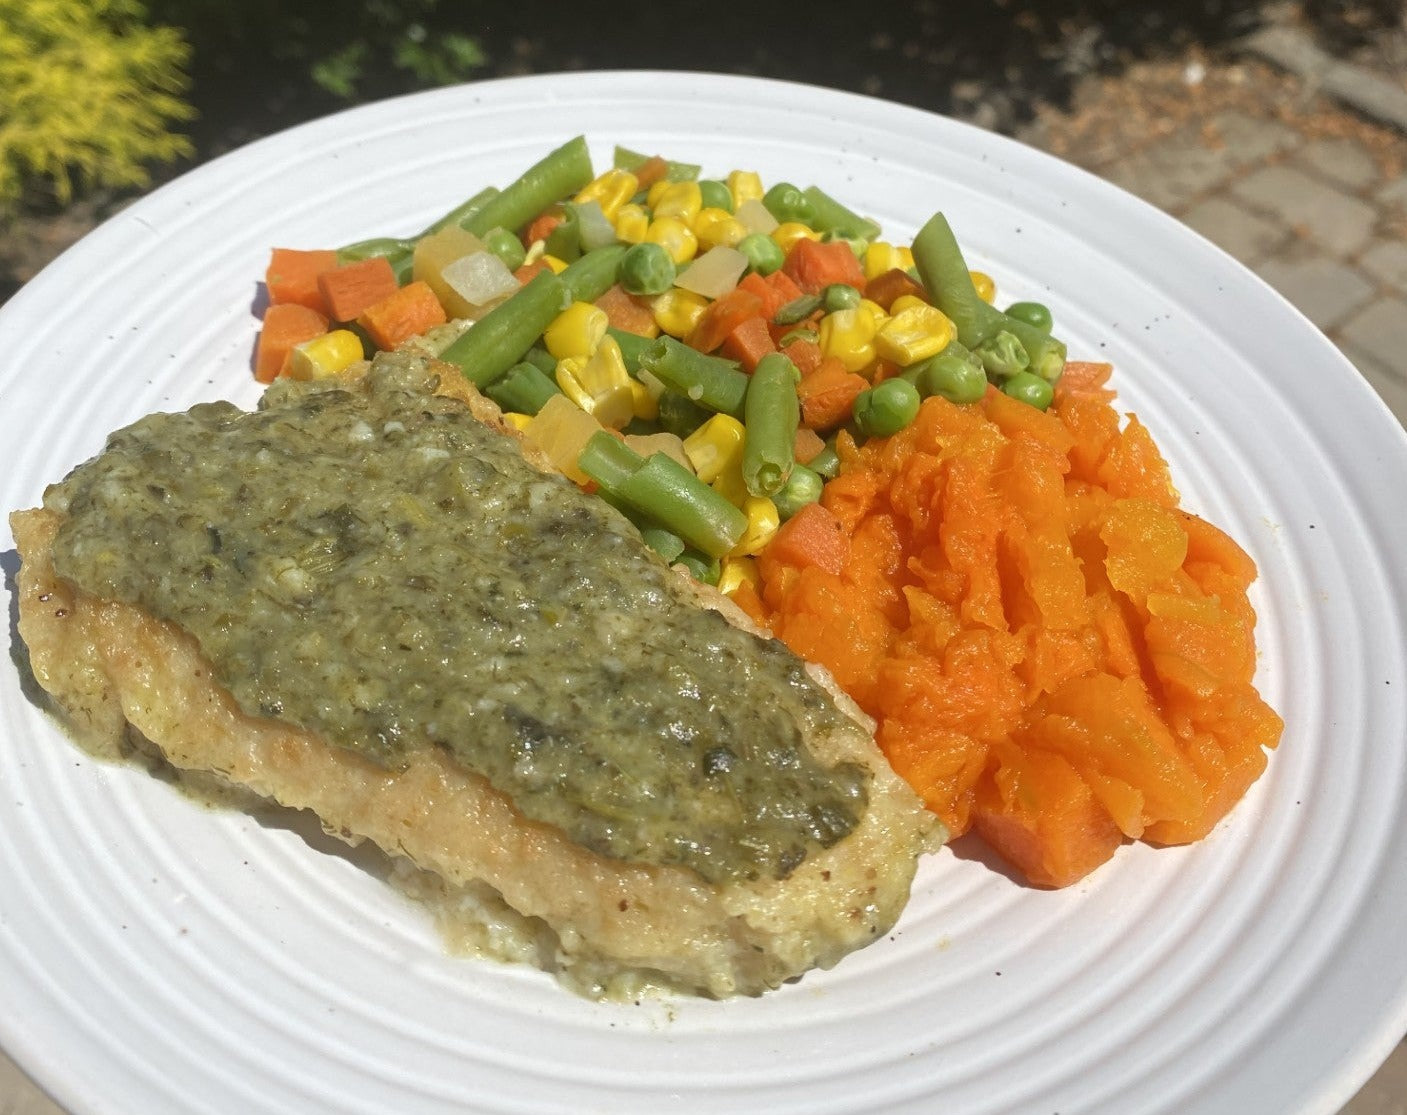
996, 63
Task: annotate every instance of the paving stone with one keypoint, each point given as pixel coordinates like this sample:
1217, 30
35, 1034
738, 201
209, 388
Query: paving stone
1336, 220
1344, 160
1394, 193
1386, 1093
1387, 261
1174, 171
1235, 228
1253, 139
1325, 290
18, 1096
1380, 331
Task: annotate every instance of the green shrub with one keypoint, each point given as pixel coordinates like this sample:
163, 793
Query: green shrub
88, 96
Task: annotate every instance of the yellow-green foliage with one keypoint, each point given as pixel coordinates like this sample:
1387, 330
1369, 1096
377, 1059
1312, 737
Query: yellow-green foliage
88, 95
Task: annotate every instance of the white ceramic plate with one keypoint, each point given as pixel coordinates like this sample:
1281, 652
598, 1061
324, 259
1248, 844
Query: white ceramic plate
157, 957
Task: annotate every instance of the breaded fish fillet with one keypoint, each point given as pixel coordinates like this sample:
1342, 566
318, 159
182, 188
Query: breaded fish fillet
109, 665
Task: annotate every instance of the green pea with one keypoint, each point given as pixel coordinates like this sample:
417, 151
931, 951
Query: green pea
803, 486
1032, 313
764, 255
839, 296
787, 203
506, 246
1027, 387
956, 379
715, 194
646, 268
886, 408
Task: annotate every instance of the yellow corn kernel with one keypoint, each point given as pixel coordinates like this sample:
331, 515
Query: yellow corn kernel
914, 334
599, 384
986, 288
789, 232
325, 356
576, 331
734, 572
674, 236
848, 335
762, 523
517, 421
631, 222
611, 190
905, 302
730, 484
717, 227
556, 265
881, 257
677, 310
656, 191
714, 446
878, 314
643, 402
680, 200
744, 185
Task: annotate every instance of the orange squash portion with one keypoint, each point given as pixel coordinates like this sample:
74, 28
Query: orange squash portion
1055, 654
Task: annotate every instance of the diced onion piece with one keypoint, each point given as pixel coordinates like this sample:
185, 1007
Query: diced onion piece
596, 228
560, 429
755, 217
714, 273
671, 444
481, 281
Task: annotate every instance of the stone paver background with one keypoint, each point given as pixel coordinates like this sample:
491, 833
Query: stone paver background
1307, 192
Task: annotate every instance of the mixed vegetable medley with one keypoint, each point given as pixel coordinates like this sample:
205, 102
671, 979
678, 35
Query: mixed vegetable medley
690, 347
902, 482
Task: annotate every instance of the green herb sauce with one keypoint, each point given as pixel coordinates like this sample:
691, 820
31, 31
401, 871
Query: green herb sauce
372, 563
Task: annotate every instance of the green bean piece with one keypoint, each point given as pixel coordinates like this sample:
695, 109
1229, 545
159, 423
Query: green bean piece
704, 569
1034, 314
384, 246
522, 389
626, 159
830, 216
506, 246
674, 498
1003, 355
403, 266
954, 378
826, 463
564, 241
646, 268
886, 408
798, 309
771, 415
803, 486
463, 212
839, 296
800, 333
664, 542
710, 381
764, 255
945, 275
679, 415
500, 338
609, 462
541, 359
715, 194
787, 203
1029, 388
562, 171
1050, 363
631, 346
594, 273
